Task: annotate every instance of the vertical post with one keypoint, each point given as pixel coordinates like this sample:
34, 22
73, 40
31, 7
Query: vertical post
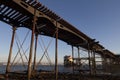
10, 51
79, 63
89, 57
111, 64
104, 62
31, 46
73, 59
56, 54
94, 62
78, 52
36, 41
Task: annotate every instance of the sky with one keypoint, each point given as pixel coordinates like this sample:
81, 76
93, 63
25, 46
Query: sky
99, 19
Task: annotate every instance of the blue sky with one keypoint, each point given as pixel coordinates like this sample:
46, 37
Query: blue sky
99, 19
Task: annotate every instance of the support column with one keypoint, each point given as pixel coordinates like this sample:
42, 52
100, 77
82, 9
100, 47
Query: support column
31, 47
10, 51
89, 58
73, 59
93, 62
104, 62
111, 64
56, 54
79, 63
36, 42
78, 52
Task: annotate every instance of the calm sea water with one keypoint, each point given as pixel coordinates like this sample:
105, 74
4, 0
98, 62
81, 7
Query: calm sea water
61, 68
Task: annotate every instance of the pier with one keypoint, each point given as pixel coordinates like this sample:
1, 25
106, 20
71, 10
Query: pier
40, 20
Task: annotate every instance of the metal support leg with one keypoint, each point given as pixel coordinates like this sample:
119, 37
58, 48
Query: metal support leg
31, 47
94, 63
10, 51
111, 64
36, 41
78, 55
104, 62
73, 59
89, 57
56, 54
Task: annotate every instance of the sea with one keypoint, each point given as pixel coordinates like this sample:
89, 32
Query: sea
61, 68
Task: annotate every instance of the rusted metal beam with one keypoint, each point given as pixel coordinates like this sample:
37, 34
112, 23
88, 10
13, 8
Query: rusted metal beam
73, 59
89, 56
78, 52
93, 62
36, 41
31, 47
79, 61
56, 54
104, 62
10, 51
